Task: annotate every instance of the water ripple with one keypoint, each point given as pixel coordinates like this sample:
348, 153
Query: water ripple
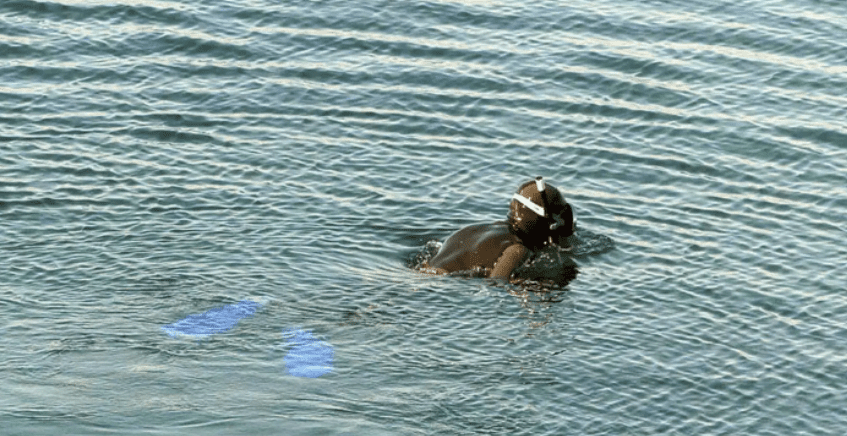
162, 156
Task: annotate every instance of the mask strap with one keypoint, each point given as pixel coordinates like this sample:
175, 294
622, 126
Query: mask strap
529, 204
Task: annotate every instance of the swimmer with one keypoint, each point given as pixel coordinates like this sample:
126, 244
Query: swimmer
538, 216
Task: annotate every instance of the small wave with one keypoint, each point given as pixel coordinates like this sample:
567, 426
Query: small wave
588, 243
419, 259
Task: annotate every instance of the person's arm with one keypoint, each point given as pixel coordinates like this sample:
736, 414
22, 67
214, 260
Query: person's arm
512, 257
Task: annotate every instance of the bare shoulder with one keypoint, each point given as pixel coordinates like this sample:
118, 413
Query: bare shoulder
476, 246
477, 235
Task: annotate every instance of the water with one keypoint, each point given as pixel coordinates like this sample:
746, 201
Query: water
167, 159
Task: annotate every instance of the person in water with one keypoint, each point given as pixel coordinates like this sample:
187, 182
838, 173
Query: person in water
538, 216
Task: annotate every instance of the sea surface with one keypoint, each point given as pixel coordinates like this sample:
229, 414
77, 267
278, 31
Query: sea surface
210, 212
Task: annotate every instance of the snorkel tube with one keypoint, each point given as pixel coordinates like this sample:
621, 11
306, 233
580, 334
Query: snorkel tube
539, 183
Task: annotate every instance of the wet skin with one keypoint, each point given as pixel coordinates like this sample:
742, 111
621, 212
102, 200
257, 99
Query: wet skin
490, 246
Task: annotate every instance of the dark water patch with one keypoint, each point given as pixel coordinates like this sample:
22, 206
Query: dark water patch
65, 167
184, 120
168, 136
403, 18
48, 202
17, 51
192, 46
27, 7
109, 13
836, 138
46, 75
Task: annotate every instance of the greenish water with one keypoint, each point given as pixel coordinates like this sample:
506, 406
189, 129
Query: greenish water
281, 162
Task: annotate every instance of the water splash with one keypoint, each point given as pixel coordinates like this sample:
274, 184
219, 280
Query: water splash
418, 260
588, 243
214, 321
309, 356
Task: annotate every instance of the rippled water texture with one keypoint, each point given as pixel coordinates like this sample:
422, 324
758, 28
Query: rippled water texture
163, 160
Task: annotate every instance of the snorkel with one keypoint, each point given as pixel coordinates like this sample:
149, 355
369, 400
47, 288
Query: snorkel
539, 183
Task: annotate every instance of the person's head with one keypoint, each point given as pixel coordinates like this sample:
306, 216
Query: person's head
538, 213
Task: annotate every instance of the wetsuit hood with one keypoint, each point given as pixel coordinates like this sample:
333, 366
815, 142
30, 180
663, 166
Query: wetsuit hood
538, 213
